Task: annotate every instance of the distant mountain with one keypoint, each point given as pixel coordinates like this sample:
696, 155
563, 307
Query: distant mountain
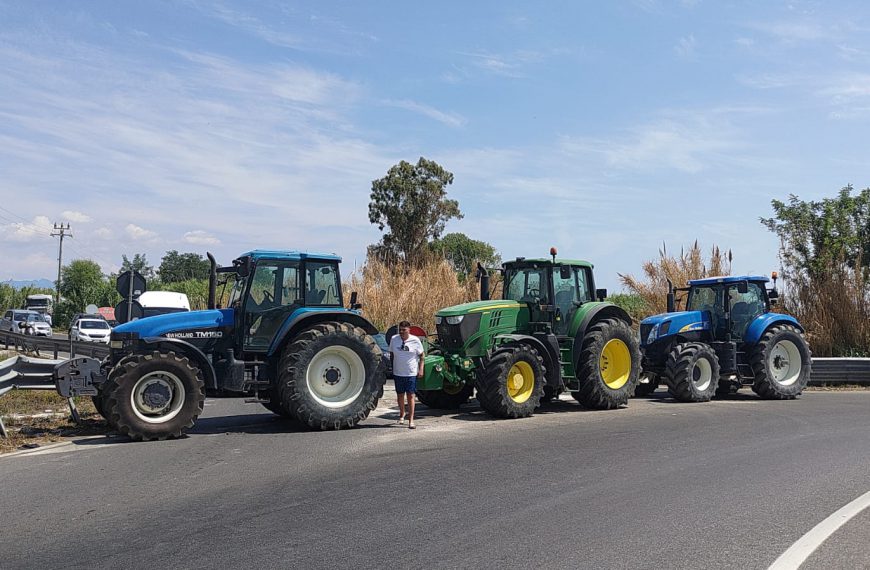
39, 283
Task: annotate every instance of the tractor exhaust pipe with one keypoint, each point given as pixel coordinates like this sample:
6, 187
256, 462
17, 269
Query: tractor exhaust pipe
672, 306
482, 276
212, 281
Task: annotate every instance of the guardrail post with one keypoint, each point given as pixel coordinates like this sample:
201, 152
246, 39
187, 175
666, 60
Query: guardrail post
73, 411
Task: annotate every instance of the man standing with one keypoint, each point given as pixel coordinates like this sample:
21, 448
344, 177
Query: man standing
406, 353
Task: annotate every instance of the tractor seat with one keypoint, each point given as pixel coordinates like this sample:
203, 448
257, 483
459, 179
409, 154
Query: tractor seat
314, 297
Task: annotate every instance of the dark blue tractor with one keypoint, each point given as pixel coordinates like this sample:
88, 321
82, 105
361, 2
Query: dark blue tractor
285, 337
726, 338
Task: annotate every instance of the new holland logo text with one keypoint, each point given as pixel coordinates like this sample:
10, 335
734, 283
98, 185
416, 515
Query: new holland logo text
196, 334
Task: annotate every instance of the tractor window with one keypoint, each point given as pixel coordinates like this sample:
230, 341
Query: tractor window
703, 299
322, 286
565, 289
273, 296
745, 307
526, 286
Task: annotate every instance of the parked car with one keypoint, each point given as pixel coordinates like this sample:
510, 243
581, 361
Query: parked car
79, 316
91, 330
25, 322
381, 341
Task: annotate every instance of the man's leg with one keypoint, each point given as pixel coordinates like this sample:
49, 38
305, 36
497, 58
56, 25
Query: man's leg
412, 393
401, 397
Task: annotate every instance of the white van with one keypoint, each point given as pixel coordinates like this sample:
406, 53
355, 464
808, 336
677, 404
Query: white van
162, 302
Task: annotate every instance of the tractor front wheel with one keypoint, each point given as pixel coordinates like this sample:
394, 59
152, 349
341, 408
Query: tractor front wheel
609, 365
781, 363
448, 398
331, 376
513, 382
692, 372
153, 396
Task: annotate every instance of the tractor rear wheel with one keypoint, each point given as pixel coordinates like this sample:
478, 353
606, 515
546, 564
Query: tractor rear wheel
692, 372
153, 396
448, 398
512, 383
609, 365
331, 376
781, 363
647, 384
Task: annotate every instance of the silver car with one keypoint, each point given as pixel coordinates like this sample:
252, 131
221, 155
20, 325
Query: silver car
25, 322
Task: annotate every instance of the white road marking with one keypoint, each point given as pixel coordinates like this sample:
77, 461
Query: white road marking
798, 553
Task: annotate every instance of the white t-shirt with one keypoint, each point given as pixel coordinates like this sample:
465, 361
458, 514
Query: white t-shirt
406, 362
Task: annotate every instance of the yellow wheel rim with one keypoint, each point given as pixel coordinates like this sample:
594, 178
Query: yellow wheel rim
615, 364
520, 382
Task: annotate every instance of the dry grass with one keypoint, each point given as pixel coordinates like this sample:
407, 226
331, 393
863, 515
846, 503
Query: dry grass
689, 264
390, 294
834, 308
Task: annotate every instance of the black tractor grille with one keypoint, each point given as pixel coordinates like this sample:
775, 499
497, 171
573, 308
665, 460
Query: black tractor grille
644, 332
449, 336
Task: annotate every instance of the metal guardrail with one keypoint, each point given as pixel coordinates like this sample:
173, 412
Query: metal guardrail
840, 371
54, 346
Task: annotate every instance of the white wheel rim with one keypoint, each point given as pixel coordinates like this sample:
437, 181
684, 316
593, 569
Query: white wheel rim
702, 374
157, 397
336, 376
784, 363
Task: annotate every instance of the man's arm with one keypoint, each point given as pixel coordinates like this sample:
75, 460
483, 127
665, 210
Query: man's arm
422, 367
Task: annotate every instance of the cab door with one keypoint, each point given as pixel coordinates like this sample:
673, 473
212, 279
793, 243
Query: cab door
274, 293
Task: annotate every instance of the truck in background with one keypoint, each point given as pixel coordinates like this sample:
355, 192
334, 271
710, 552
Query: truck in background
42, 304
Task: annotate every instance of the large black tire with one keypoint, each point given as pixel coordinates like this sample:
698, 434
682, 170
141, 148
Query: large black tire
777, 374
449, 399
512, 383
608, 368
154, 396
100, 400
274, 405
646, 389
692, 372
331, 376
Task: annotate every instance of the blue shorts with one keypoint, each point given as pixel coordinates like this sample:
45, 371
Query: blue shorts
405, 384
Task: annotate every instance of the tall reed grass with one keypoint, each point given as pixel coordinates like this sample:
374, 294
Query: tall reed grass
652, 287
392, 293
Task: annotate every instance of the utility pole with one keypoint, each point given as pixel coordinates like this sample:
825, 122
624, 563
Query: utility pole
63, 232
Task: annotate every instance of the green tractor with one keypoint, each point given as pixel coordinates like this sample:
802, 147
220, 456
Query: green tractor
551, 332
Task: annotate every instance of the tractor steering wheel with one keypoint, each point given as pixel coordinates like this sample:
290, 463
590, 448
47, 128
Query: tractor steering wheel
533, 293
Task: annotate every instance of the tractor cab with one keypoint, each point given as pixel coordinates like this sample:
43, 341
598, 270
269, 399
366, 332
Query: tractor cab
270, 286
553, 290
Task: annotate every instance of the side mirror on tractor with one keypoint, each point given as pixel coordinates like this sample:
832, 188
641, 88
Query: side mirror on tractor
601, 294
743, 287
353, 301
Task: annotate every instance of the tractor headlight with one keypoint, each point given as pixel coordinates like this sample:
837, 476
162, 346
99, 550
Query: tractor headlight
438, 320
455, 320
653, 334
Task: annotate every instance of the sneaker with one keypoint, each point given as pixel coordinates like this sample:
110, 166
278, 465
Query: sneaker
412, 425
401, 420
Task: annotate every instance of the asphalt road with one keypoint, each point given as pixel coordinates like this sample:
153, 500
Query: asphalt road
727, 484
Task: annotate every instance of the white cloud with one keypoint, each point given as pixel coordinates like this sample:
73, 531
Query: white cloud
138, 233
686, 46
104, 233
200, 237
39, 228
449, 119
78, 217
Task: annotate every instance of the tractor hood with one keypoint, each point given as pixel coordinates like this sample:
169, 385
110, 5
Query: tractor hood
666, 324
476, 307
160, 325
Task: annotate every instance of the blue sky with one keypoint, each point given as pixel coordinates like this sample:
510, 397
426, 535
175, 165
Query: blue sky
603, 128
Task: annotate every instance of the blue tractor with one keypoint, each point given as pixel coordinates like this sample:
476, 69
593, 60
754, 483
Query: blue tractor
284, 337
727, 337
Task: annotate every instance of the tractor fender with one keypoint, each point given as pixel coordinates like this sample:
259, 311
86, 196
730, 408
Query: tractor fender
305, 318
197, 357
551, 358
602, 311
764, 322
